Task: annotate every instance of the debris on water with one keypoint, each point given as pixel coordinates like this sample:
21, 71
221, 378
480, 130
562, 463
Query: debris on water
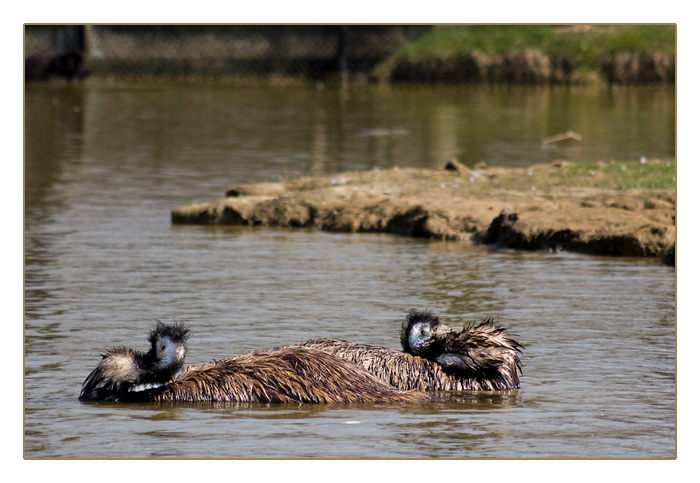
383, 132
561, 137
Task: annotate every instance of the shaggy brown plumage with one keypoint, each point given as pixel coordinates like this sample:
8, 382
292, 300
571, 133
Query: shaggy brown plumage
496, 362
281, 375
482, 351
122, 369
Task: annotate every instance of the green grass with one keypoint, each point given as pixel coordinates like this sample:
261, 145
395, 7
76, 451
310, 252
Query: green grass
585, 45
621, 175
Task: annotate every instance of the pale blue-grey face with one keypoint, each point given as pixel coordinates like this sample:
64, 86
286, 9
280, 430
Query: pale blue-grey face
169, 353
421, 335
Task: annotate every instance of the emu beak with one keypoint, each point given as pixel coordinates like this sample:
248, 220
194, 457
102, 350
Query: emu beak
442, 329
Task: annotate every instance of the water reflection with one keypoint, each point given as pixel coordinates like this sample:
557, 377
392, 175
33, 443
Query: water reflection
318, 130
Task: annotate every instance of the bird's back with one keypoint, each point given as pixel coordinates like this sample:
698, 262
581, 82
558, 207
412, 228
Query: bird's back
281, 375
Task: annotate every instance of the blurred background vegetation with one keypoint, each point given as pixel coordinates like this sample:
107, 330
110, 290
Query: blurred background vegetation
303, 54
536, 53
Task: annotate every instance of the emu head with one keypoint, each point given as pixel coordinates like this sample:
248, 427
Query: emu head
420, 332
168, 345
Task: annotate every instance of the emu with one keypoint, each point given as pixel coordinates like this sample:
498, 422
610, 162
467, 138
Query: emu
279, 375
121, 369
478, 358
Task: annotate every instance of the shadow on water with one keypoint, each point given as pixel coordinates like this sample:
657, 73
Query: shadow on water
440, 402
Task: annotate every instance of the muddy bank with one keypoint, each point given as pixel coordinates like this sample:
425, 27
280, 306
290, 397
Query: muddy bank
543, 207
532, 66
535, 54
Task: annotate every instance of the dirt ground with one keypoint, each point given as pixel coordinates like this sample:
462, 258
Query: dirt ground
551, 207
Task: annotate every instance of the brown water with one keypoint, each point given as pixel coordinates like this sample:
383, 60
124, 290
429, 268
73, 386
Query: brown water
105, 164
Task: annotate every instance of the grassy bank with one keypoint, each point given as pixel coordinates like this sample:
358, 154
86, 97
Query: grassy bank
614, 175
536, 53
617, 175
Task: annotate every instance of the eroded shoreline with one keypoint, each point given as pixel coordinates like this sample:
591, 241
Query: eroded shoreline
542, 207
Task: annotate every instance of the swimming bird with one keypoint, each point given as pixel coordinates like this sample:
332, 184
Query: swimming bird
122, 369
428, 362
279, 375
481, 350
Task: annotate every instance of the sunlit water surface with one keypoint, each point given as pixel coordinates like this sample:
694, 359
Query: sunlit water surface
105, 165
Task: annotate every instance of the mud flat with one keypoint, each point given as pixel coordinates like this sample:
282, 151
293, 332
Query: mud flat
622, 209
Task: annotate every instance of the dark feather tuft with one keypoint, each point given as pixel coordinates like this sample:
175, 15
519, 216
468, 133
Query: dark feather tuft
176, 331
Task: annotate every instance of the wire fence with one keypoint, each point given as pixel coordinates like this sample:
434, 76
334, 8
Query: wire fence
284, 54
